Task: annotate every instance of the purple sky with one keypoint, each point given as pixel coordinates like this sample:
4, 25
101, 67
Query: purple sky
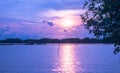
41, 19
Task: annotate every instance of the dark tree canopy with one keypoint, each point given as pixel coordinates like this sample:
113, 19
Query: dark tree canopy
102, 18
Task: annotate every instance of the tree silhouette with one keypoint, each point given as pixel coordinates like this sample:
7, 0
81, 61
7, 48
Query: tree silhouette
102, 18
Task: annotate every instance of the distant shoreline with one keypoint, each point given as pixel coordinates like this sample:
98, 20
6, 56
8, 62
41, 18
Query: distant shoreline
16, 41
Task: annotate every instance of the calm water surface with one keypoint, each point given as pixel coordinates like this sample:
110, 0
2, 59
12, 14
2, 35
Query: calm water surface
59, 58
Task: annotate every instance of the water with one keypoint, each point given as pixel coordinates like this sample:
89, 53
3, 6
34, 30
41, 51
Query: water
59, 58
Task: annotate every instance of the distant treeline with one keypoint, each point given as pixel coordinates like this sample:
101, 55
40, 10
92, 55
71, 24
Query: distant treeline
48, 40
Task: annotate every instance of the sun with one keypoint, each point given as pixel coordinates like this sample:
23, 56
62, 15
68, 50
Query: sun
67, 23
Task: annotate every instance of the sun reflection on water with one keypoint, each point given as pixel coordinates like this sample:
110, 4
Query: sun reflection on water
67, 60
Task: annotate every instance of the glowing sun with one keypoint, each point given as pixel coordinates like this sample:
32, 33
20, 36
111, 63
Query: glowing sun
67, 23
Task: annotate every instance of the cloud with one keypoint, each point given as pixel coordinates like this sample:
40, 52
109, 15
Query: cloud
62, 13
28, 9
25, 29
49, 23
4, 21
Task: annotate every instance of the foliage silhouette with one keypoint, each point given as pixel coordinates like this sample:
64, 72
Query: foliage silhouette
102, 18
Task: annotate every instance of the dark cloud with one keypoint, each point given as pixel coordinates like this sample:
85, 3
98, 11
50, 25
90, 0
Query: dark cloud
65, 30
49, 23
3, 30
33, 22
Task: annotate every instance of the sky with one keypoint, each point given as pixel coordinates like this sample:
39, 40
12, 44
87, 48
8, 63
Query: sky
34, 19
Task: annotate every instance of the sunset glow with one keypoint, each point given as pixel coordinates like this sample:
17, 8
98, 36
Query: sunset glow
68, 23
